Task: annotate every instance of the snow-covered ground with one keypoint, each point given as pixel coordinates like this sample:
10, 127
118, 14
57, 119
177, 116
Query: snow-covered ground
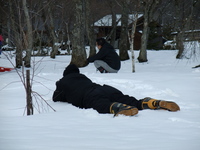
71, 128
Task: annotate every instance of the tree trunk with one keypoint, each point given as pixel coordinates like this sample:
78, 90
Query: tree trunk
180, 26
55, 45
16, 37
143, 52
89, 28
112, 35
179, 44
29, 104
78, 47
145, 34
114, 25
123, 43
131, 41
183, 23
149, 8
68, 40
29, 38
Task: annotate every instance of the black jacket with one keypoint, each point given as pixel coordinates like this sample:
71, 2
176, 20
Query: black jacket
107, 54
80, 91
72, 87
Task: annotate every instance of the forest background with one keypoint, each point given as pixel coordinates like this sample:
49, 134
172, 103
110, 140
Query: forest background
32, 27
36, 25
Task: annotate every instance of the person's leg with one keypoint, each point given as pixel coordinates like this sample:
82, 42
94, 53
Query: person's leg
100, 65
117, 96
99, 101
146, 103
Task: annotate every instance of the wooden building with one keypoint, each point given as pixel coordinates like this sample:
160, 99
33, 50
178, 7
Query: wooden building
103, 27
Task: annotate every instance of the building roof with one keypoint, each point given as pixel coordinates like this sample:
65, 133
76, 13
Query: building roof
107, 20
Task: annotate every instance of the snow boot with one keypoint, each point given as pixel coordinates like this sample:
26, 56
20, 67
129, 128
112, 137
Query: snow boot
123, 109
102, 70
150, 103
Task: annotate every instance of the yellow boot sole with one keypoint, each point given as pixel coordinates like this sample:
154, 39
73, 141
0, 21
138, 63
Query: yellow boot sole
128, 112
167, 105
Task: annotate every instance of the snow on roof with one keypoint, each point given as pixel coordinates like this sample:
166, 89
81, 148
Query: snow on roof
189, 31
107, 20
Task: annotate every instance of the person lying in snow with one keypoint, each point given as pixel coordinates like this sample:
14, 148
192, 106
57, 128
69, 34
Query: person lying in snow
80, 91
106, 60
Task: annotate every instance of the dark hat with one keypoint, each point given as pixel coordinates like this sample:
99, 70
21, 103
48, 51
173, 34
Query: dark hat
70, 69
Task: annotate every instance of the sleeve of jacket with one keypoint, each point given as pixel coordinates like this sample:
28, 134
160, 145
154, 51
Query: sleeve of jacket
99, 56
57, 95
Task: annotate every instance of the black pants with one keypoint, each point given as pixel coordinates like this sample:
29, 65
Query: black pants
101, 97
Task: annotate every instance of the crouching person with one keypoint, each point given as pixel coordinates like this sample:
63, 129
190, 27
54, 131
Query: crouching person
106, 60
80, 91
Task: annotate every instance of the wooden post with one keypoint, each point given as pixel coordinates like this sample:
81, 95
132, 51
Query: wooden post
28, 94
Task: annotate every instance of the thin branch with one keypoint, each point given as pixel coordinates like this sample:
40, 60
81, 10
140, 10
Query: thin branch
22, 78
44, 100
8, 85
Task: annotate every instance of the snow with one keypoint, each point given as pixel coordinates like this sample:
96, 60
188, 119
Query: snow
162, 77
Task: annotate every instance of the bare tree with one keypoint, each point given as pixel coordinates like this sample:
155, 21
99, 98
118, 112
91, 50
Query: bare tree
16, 30
78, 48
39, 21
132, 35
114, 26
68, 39
149, 7
53, 33
183, 22
29, 103
27, 80
28, 39
112, 34
123, 43
31, 24
89, 27
131, 41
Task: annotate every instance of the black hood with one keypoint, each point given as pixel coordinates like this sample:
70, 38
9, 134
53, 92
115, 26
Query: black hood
70, 69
